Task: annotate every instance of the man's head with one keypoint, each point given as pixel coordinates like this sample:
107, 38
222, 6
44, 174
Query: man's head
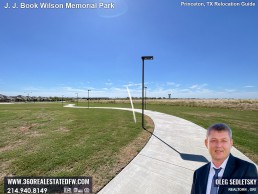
219, 142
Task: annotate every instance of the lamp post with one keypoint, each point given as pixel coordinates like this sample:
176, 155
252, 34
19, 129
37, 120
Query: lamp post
144, 58
28, 96
145, 96
89, 98
77, 98
62, 100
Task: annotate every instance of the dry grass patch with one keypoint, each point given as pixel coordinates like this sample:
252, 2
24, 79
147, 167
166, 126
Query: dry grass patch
63, 129
26, 128
4, 166
237, 104
13, 145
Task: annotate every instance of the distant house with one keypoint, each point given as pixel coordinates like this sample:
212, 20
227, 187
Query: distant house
4, 98
20, 98
10, 99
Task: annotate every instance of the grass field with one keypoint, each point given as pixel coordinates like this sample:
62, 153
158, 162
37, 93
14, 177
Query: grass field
49, 140
236, 104
240, 115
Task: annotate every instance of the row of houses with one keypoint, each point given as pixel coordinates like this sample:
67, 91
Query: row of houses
21, 98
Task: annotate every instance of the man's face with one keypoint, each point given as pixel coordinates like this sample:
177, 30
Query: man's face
219, 145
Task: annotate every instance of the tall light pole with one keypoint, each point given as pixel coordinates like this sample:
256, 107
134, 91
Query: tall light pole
89, 98
145, 96
28, 95
77, 98
26, 98
144, 58
62, 100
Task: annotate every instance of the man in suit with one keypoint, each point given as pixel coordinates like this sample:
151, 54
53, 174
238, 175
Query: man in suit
223, 164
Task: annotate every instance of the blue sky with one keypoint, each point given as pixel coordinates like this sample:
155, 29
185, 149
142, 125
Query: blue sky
199, 52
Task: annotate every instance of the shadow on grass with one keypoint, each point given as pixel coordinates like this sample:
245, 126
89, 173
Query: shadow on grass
184, 156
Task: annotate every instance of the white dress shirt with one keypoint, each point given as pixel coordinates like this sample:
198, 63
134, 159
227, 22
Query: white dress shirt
212, 173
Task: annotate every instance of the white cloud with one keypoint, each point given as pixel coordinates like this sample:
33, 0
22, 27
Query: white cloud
109, 83
198, 86
153, 90
133, 85
31, 89
173, 84
230, 90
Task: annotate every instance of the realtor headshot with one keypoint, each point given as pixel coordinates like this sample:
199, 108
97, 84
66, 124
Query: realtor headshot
223, 164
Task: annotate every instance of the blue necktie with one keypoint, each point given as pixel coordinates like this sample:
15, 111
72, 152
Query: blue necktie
214, 188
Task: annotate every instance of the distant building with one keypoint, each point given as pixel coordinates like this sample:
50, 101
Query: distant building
4, 98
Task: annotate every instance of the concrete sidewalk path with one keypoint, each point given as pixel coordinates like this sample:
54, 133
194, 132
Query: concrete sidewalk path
167, 162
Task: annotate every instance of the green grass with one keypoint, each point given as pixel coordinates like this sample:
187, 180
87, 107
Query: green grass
48, 140
243, 123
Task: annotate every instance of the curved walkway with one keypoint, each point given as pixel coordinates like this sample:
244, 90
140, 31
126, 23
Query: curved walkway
167, 162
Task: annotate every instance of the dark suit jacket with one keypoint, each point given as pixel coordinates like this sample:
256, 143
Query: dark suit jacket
235, 168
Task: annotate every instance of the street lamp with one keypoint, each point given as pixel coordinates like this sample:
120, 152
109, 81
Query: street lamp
62, 100
145, 96
89, 98
77, 98
28, 95
144, 58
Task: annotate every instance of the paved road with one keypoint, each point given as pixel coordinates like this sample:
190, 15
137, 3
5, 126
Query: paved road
167, 162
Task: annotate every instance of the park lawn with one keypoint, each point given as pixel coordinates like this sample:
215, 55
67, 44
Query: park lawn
49, 140
243, 123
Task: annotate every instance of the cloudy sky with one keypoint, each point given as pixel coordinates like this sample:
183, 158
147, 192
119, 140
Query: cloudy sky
199, 52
